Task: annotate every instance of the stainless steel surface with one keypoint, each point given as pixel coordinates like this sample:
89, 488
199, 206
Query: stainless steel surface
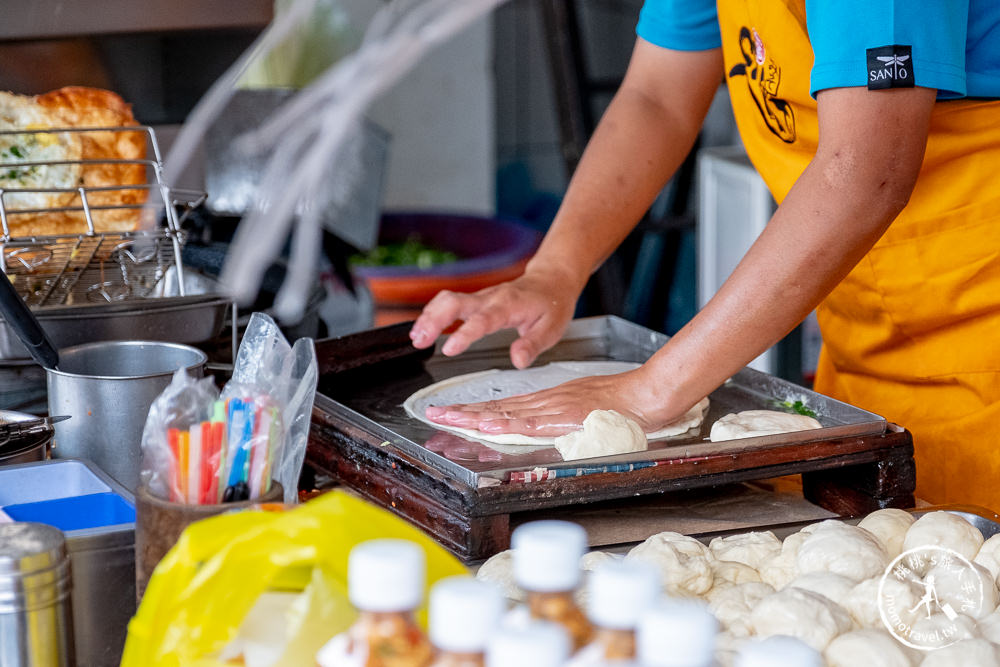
36, 625
351, 202
107, 388
195, 318
35, 19
375, 403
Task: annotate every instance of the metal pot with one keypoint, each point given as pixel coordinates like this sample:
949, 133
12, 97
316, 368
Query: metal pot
107, 388
28, 448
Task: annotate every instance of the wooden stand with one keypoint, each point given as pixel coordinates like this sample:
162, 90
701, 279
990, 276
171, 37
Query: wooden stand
849, 476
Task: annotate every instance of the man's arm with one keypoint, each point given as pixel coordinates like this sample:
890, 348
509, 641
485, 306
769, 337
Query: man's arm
643, 137
870, 150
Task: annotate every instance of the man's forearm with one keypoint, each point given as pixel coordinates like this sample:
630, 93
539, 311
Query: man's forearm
644, 136
832, 216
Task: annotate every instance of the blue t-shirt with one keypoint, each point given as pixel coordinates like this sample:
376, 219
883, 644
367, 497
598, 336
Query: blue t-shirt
955, 44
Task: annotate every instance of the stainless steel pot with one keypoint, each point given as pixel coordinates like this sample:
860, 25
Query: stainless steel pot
28, 448
107, 388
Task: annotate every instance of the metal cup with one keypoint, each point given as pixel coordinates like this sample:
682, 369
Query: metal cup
36, 624
107, 388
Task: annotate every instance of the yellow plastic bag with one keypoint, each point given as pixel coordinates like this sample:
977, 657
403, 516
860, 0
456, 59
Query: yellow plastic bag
205, 586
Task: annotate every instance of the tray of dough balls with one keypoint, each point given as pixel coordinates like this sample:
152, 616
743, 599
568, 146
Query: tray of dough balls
894, 588
750, 410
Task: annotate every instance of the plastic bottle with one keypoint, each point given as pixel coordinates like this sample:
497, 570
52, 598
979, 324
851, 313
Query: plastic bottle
547, 568
538, 644
464, 613
677, 633
619, 595
385, 582
778, 651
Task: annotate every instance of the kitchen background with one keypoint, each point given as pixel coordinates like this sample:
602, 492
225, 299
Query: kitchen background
483, 126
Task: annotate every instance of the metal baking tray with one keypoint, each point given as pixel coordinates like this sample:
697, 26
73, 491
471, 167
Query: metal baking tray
374, 402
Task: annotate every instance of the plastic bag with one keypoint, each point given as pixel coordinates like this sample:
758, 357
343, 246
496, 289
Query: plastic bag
266, 365
184, 402
200, 447
205, 586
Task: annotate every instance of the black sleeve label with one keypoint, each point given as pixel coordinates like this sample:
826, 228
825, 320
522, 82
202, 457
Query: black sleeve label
890, 67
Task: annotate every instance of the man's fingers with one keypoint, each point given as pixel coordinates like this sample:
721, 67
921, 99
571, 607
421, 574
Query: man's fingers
542, 425
536, 337
438, 314
483, 322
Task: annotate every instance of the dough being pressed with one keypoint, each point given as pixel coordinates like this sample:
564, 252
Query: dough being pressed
495, 384
604, 432
753, 423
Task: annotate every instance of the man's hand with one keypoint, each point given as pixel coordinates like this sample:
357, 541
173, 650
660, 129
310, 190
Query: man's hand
562, 409
538, 305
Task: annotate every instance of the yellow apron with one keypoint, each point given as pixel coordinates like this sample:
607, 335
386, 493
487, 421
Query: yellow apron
913, 332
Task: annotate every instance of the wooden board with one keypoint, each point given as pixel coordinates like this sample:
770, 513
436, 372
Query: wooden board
848, 476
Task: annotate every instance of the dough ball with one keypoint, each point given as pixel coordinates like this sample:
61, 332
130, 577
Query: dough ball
753, 423
989, 556
939, 630
871, 648
604, 432
727, 647
991, 546
592, 560
589, 562
732, 605
898, 596
833, 586
889, 526
842, 549
967, 653
683, 562
947, 530
732, 572
802, 614
781, 569
989, 627
499, 570
751, 549
959, 586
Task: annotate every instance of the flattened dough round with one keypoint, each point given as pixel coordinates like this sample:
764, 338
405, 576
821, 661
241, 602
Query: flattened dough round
495, 384
753, 423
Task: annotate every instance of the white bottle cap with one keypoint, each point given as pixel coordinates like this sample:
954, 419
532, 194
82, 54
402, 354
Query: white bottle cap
620, 592
778, 651
538, 644
386, 575
547, 555
464, 613
676, 633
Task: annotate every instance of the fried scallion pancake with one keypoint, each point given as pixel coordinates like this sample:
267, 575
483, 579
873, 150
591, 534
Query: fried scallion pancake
81, 107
